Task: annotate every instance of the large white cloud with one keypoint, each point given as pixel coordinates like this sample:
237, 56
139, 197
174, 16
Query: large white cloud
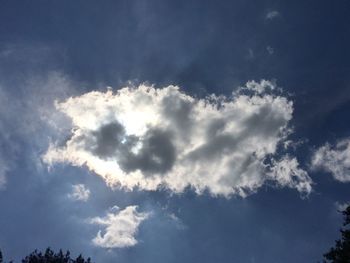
120, 227
334, 159
146, 137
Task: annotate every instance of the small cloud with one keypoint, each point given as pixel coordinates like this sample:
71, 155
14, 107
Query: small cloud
334, 159
121, 226
79, 193
272, 14
341, 206
293, 145
270, 50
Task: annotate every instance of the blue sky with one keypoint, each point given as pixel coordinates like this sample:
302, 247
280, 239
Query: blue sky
162, 170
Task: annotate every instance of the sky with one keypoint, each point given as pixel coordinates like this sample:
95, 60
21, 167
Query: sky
174, 131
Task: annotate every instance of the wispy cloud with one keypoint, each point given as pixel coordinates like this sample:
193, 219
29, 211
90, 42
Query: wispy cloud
272, 14
270, 50
145, 137
178, 222
341, 206
120, 227
3, 170
27, 113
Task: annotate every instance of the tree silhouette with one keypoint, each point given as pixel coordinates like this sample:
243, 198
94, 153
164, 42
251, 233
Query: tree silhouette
50, 257
340, 253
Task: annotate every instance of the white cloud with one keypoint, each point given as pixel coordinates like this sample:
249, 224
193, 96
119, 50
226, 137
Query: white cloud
147, 138
79, 193
120, 227
334, 159
272, 14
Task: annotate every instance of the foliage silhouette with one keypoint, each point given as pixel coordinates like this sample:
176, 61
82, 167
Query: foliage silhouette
340, 253
50, 257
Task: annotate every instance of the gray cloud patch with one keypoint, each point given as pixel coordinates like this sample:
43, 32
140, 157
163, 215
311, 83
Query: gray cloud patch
178, 112
151, 153
156, 155
107, 140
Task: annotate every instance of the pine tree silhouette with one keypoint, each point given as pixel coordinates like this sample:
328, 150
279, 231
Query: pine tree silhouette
340, 253
50, 257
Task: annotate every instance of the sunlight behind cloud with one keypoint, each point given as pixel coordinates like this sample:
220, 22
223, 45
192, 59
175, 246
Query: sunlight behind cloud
146, 138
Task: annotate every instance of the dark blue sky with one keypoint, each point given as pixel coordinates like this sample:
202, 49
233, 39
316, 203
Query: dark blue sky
56, 49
